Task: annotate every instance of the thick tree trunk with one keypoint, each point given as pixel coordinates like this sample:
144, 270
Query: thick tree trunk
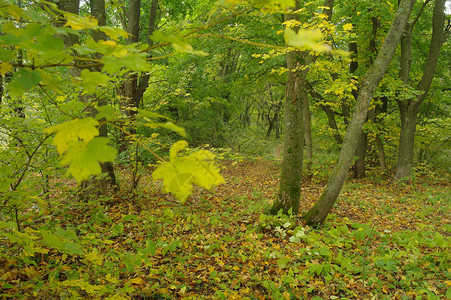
406, 139
368, 85
409, 107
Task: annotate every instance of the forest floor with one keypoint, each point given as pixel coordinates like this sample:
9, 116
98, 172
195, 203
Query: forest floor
382, 240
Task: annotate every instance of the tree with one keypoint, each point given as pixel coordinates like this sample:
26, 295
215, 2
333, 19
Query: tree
290, 177
368, 85
409, 105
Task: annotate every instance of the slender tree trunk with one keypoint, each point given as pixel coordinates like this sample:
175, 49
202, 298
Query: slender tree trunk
105, 184
307, 130
134, 86
368, 85
409, 107
362, 148
360, 153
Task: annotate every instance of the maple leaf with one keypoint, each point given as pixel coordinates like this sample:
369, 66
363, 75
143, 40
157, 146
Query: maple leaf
180, 173
77, 129
306, 39
84, 157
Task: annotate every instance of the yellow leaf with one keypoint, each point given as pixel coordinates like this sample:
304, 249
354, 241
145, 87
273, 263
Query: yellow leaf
348, 27
137, 280
5, 67
306, 39
111, 279
108, 43
79, 23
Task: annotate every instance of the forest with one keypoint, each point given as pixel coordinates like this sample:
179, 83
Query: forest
225, 149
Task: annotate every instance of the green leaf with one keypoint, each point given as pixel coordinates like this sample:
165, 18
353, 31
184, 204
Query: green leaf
105, 112
74, 130
84, 157
24, 80
90, 81
72, 248
282, 262
178, 43
168, 125
151, 114
51, 240
306, 39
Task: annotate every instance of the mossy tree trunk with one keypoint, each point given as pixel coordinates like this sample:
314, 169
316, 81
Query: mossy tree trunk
291, 173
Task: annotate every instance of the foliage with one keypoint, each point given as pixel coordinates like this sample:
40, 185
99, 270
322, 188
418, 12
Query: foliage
219, 246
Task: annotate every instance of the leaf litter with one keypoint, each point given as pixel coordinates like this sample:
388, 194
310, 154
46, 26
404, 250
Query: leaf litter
381, 241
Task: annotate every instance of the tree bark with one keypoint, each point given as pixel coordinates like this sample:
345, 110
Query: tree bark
409, 107
368, 85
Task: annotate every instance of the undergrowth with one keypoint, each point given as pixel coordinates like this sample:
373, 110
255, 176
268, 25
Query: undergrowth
221, 245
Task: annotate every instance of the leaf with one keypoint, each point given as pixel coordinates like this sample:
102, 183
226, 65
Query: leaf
274, 5
178, 43
78, 129
79, 23
5, 68
137, 281
105, 112
24, 80
180, 173
51, 240
348, 27
113, 33
72, 248
183, 47
151, 114
306, 39
176, 148
90, 81
168, 125
282, 262
84, 157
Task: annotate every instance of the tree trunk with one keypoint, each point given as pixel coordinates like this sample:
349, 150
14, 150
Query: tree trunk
362, 147
360, 153
307, 130
104, 184
135, 86
329, 112
369, 83
409, 107
72, 6
291, 173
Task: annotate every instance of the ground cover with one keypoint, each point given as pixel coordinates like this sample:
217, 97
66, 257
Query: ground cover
382, 241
